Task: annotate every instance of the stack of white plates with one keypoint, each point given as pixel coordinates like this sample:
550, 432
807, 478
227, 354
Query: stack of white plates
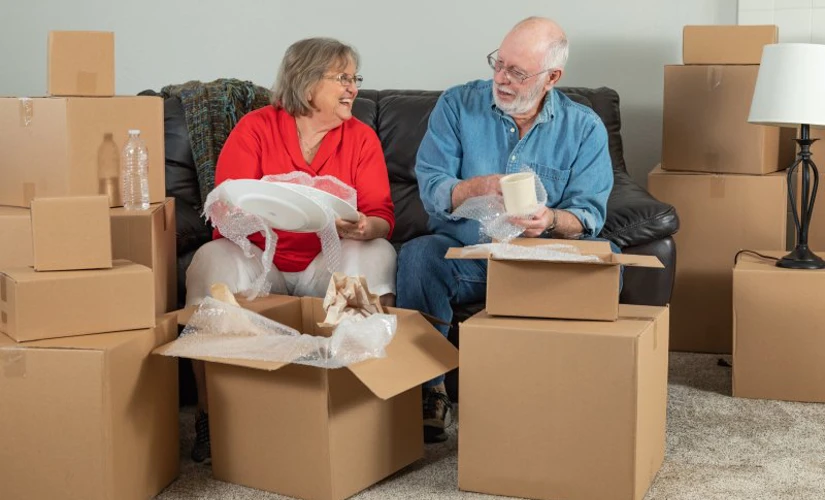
287, 206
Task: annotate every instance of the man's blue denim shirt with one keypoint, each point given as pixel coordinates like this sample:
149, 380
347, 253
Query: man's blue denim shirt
469, 136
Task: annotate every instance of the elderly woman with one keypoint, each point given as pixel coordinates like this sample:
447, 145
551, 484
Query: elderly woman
309, 128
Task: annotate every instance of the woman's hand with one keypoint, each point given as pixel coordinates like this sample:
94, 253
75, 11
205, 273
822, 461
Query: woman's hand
367, 228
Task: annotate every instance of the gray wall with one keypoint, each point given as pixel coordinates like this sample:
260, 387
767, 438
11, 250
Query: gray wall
427, 44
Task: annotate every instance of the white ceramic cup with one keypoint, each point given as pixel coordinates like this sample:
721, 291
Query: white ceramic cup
519, 192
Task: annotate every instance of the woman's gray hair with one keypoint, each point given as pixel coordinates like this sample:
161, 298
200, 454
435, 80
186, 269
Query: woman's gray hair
303, 66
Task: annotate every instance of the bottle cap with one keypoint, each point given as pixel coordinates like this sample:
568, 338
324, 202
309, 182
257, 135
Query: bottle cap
134, 131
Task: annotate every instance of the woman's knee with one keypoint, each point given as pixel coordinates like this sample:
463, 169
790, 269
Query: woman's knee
216, 261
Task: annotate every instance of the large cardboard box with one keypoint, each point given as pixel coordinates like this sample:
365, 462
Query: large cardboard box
726, 44
147, 237
41, 305
71, 233
342, 429
81, 63
89, 418
778, 331
705, 126
70, 146
718, 216
16, 237
563, 409
524, 285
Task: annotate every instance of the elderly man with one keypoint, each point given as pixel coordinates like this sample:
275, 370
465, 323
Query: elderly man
477, 133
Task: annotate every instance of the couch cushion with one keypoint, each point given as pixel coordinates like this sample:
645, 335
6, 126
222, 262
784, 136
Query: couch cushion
403, 117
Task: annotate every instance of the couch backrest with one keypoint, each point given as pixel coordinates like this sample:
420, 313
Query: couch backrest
400, 118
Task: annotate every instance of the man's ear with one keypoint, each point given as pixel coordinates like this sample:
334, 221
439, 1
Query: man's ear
553, 78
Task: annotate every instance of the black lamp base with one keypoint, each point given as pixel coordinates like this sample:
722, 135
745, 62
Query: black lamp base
801, 258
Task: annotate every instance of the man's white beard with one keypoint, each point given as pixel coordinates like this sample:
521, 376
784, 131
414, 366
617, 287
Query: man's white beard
523, 103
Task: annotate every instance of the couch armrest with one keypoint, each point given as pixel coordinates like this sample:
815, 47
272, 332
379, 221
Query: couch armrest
634, 217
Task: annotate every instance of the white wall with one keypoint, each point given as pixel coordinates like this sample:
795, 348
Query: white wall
426, 44
798, 20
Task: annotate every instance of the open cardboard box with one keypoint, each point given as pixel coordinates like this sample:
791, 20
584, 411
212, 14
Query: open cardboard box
555, 288
319, 433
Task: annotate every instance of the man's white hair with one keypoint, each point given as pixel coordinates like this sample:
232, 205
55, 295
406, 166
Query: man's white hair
557, 47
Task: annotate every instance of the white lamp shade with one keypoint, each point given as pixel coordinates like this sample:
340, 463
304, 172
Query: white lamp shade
790, 88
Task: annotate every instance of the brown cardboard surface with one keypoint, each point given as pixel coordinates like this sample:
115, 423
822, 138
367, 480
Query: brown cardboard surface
70, 146
347, 428
16, 235
705, 126
778, 330
41, 305
148, 238
591, 420
718, 216
555, 289
91, 417
731, 44
81, 63
71, 233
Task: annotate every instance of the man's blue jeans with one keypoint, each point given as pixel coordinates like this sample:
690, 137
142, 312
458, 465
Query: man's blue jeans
429, 283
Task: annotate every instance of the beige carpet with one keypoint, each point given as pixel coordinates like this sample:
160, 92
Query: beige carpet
718, 447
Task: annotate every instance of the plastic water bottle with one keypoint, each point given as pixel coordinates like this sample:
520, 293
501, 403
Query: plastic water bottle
134, 176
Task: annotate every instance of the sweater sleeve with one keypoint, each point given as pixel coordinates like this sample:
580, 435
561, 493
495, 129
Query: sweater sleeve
240, 157
372, 182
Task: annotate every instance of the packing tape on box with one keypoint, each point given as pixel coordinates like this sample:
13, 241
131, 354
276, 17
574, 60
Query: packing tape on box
221, 330
13, 362
86, 82
717, 186
714, 77
711, 161
26, 111
3, 292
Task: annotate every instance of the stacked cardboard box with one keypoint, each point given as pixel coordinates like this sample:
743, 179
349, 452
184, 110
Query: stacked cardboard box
563, 390
87, 411
723, 175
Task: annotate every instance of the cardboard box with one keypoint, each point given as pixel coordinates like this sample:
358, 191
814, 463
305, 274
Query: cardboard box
148, 238
342, 431
555, 288
718, 216
778, 331
92, 417
705, 126
41, 305
16, 237
70, 146
71, 233
732, 44
81, 63
563, 409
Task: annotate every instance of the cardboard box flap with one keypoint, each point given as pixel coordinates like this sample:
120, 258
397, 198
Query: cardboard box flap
270, 366
630, 326
417, 353
28, 274
95, 342
627, 259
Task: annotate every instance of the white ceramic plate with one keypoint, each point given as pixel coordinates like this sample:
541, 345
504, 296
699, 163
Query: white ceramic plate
282, 208
341, 208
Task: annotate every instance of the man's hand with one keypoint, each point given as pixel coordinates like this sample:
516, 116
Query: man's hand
537, 223
353, 230
477, 186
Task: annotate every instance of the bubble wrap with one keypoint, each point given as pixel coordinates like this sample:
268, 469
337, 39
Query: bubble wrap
556, 252
237, 225
221, 330
489, 211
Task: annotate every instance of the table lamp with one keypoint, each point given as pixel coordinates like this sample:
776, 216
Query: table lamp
790, 92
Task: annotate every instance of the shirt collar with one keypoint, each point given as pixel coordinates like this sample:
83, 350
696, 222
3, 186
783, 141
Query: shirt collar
546, 113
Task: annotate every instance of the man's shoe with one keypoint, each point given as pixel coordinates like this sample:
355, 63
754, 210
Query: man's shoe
203, 447
438, 412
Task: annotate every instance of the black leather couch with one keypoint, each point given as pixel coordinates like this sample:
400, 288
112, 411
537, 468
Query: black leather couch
636, 222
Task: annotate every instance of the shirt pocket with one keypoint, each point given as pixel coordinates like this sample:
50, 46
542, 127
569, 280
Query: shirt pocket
553, 179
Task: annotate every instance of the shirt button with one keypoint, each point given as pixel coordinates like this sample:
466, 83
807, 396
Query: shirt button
513, 157
512, 130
